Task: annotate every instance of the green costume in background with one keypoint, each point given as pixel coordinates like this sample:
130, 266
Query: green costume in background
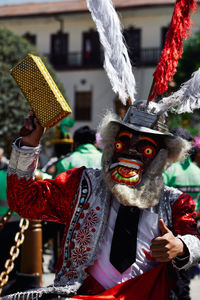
85, 155
7, 235
3, 196
186, 177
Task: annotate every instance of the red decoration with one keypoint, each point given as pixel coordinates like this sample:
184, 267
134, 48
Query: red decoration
86, 205
184, 216
148, 255
77, 226
81, 215
173, 48
71, 245
68, 263
157, 283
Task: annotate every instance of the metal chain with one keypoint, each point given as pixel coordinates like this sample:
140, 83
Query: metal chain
5, 218
14, 252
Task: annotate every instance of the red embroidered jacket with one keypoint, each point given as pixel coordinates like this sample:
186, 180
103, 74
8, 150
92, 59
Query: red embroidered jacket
52, 200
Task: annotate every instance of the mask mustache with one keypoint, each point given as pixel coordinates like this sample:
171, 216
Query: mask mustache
129, 163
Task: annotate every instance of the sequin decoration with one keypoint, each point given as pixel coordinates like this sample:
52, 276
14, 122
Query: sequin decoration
40, 90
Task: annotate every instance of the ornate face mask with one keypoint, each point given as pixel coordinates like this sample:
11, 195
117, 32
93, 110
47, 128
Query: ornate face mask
133, 152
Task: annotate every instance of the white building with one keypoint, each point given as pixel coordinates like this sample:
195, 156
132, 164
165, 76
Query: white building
65, 32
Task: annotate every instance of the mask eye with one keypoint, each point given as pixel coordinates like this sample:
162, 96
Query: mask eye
122, 141
119, 146
148, 151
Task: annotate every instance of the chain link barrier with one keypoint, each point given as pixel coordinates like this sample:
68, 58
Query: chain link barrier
14, 251
5, 219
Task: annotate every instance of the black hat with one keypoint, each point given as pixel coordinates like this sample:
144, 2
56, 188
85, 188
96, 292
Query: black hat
85, 135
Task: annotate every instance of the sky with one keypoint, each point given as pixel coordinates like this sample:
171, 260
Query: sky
7, 2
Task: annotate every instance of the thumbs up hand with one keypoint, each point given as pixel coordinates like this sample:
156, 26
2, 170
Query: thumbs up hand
166, 247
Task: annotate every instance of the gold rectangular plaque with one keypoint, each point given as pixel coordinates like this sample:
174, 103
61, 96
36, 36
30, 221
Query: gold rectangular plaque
40, 90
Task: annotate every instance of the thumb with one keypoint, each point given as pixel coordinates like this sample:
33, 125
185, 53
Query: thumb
36, 123
163, 228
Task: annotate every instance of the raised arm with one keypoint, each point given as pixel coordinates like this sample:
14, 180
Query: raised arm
49, 199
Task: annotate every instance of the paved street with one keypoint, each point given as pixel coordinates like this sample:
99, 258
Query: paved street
47, 277
195, 288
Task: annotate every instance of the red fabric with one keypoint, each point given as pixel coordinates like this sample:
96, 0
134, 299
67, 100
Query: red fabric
49, 199
152, 285
179, 29
90, 287
183, 216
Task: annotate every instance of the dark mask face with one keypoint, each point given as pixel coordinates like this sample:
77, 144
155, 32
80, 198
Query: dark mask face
133, 153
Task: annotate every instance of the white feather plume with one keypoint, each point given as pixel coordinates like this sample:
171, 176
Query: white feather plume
186, 99
117, 63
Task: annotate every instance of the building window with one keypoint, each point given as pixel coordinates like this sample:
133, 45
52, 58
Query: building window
59, 49
83, 106
133, 40
30, 37
91, 53
163, 35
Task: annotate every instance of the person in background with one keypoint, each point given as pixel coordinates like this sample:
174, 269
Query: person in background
196, 160
184, 175
63, 145
3, 196
86, 153
196, 157
3, 160
99, 142
7, 233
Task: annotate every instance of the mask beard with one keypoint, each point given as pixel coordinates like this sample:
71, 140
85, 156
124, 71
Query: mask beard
144, 195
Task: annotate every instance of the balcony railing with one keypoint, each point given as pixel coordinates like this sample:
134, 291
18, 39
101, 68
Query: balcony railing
149, 56
75, 60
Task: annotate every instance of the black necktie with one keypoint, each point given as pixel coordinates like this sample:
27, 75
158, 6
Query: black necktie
124, 241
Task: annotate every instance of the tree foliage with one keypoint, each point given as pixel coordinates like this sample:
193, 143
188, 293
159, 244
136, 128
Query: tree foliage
189, 63
13, 105
185, 121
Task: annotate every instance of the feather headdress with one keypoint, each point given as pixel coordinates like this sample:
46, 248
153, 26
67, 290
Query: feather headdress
118, 66
186, 99
179, 30
116, 59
